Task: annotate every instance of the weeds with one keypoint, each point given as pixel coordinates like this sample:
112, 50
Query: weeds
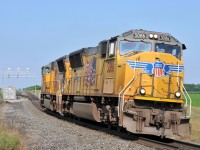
9, 139
195, 121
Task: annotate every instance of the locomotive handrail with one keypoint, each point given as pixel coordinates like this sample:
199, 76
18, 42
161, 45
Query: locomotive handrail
119, 97
48, 86
59, 88
126, 92
190, 105
125, 88
177, 75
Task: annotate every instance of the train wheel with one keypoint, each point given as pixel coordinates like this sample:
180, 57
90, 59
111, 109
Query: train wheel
119, 128
109, 126
41, 103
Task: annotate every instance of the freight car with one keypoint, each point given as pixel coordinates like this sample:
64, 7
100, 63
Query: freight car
133, 80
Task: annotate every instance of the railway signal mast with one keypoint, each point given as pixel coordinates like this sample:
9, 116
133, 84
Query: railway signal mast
17, 73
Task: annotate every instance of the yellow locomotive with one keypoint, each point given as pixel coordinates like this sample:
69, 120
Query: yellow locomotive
134, 81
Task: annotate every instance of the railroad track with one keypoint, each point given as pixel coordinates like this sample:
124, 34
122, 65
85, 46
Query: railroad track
146, 140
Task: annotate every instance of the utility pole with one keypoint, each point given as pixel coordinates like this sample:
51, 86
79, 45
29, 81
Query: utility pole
35, 89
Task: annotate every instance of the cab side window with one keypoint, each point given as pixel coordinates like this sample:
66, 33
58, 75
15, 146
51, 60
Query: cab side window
47, 70
103, 49
112, 49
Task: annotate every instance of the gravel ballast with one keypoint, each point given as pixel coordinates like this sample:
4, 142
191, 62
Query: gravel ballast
42, 131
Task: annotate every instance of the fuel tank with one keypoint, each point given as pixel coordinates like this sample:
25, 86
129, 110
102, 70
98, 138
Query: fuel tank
86, 111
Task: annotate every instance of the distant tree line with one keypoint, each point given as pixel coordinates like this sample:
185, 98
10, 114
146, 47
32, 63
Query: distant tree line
32, 88
192, 87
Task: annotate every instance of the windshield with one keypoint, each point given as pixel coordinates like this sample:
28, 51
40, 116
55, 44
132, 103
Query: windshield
171, 49
135, 46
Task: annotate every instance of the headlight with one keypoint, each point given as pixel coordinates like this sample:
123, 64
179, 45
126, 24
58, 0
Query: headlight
155, 36
142, 91
150, 36
177, 94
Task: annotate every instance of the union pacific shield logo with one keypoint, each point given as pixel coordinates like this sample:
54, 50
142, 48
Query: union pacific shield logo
157, 68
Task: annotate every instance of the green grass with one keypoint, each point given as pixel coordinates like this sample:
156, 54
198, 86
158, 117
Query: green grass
1, 97
195, 99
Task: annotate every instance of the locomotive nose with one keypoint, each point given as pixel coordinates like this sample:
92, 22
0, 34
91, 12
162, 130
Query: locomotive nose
160, 75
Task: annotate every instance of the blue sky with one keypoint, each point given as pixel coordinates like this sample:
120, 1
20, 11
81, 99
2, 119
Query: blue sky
35, 32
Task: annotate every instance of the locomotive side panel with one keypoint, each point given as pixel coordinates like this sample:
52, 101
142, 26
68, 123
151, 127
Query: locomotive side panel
87, 78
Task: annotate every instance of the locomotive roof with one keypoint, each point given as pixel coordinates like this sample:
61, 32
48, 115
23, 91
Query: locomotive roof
76, 52
137, 34
144, 34
144, 31
87, 51
63, 57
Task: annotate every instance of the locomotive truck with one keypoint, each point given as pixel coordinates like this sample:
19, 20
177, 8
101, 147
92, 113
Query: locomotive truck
132, 81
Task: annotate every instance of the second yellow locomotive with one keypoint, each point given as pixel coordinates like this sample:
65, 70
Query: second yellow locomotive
134, 81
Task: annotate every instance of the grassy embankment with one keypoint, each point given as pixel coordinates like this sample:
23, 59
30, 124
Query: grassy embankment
38, 92
9, 138
195, 99
195, 119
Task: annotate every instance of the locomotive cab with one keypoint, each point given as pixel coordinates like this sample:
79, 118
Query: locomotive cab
45, 91
155, 59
